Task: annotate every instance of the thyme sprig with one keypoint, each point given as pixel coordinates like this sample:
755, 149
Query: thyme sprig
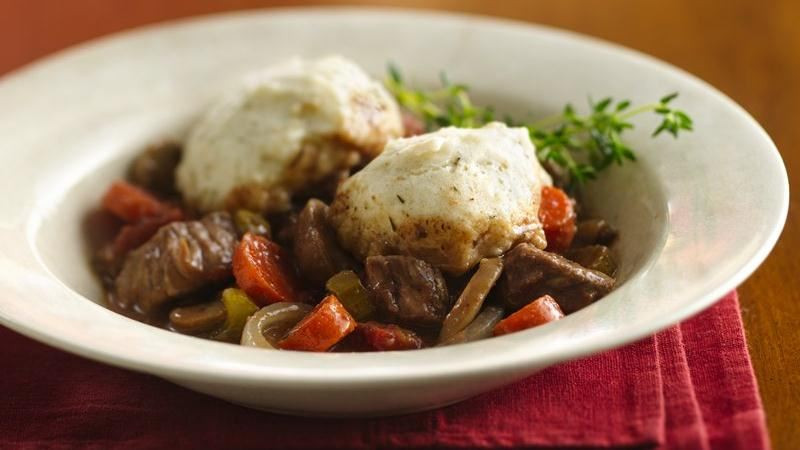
581, 144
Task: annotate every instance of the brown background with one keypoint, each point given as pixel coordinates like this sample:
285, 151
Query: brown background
748, 49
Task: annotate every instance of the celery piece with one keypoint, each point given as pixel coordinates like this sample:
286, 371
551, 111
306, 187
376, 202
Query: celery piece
238, 307
351, 293
250, 222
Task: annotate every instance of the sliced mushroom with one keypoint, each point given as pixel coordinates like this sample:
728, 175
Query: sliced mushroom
470, 301
197, 319
480, 328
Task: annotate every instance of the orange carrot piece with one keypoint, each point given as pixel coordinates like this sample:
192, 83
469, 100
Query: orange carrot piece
131, 203
321, 329
263, 271
557, 215
538, 312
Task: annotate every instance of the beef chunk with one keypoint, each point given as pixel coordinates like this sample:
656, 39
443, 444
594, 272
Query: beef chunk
324, 189
154, 169
407, 290
595, 257
594, 231
182, 257
316, 249
283, 226
531, 273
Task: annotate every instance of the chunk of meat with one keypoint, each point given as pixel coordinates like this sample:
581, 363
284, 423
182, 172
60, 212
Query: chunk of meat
154, 169
531, 273
407, 290
133, 235
561, 177
182, 257
108, 260
325, 189
595, 257
595, 231
283, 227
316, 250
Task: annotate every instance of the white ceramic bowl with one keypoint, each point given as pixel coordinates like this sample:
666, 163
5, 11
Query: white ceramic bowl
697, 215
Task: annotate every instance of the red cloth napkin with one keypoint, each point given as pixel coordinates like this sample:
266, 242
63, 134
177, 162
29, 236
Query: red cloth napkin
690, 386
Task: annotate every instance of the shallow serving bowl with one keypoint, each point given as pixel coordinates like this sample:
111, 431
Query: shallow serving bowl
697, 215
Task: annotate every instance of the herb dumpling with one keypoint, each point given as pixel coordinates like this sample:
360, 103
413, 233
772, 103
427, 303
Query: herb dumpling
282, 130
450, 198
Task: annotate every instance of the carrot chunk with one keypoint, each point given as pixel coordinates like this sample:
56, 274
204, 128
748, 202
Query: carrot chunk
131, 203
263, 271
538, 312
321, 329
557, 215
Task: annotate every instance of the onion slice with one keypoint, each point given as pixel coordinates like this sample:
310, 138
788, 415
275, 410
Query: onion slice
470, 301
268, 325
480, 328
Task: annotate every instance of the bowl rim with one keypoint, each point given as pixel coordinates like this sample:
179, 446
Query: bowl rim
510, 350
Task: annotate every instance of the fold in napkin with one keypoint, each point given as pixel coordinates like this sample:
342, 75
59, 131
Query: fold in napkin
690, 386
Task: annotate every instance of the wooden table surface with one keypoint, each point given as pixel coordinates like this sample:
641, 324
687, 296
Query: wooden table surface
750, 50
